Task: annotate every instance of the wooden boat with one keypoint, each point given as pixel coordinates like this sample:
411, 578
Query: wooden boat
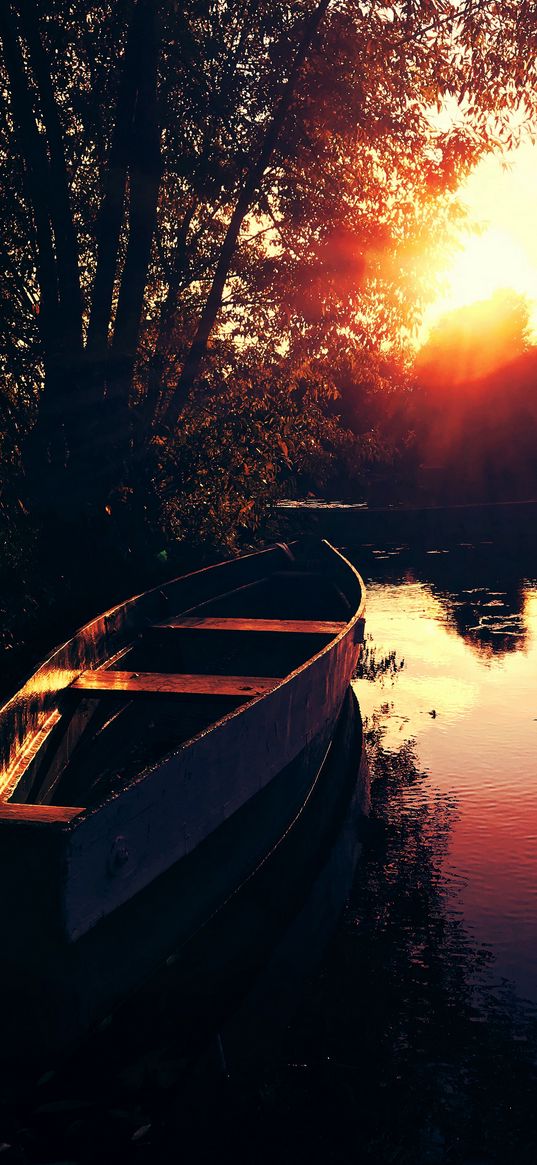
153, 761
224, 1004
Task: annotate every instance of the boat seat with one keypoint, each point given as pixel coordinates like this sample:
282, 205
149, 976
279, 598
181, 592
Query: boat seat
104, 681
220, 623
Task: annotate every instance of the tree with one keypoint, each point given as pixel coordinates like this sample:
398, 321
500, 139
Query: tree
478, 405
189, 179
472, 341
79, 377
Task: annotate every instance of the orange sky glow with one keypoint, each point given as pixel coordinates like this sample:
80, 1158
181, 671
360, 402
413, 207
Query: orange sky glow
500, 196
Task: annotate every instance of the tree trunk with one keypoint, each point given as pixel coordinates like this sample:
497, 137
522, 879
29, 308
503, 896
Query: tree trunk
149, 408
145, 174
36, 176
47, 442
134, 168
66, 243
112, 206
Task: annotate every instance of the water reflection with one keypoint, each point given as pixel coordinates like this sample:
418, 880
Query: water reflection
491, 621
413, 1046
467, 697
439, 676
483, 590
404, 1050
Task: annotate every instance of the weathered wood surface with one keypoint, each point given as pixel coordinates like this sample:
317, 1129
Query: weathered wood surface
285, 626
37, 814
283, 956
106, 683
224, 958
92, 646
113, 851
162, 819
30, 754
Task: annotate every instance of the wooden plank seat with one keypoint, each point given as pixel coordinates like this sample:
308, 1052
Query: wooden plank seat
103, 682
221, 623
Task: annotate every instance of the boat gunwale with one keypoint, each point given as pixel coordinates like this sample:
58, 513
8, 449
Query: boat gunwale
28, 811
20, 703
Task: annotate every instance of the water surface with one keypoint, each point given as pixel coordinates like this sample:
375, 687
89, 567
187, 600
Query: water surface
462, 685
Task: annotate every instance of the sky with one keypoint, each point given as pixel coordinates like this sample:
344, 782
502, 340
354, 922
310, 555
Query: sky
500, 195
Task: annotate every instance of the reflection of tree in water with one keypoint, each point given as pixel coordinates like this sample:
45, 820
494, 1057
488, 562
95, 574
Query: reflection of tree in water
403, 1050
490, 621
411, 1055
372, 666
482, 590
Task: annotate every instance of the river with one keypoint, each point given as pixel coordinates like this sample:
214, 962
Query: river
463, 688
417, 1041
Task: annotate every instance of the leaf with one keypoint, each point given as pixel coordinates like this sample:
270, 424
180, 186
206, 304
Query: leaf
141, 1132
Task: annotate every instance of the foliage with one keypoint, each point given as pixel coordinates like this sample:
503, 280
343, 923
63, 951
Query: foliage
240, 450
191, 190
475, 406
472, 341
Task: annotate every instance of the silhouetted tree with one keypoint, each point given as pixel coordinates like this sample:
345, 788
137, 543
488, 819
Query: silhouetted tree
474, 340
476, 411
266, 167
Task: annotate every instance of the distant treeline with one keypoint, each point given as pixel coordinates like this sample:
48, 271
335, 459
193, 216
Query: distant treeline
461, 425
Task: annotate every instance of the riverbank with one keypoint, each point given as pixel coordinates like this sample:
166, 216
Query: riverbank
361, 524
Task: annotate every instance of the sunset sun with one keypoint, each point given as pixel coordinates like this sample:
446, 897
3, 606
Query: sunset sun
503, 255
487, 263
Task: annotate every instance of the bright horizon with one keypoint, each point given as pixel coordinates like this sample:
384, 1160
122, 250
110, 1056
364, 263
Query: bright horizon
501, 199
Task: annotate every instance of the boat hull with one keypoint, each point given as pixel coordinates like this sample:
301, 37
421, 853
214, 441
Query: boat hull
207, 917
97, 859
103, 894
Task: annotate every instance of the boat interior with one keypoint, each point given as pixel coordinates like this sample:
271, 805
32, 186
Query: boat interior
176, 679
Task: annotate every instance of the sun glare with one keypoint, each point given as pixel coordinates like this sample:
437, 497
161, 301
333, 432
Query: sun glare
501, 200
487, 263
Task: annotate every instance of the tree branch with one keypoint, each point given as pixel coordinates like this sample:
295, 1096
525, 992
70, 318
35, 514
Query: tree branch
36, 174
62, 218
145, 174
112, 206
210, 311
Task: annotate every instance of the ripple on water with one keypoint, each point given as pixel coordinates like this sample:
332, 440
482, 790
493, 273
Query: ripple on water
467, 697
